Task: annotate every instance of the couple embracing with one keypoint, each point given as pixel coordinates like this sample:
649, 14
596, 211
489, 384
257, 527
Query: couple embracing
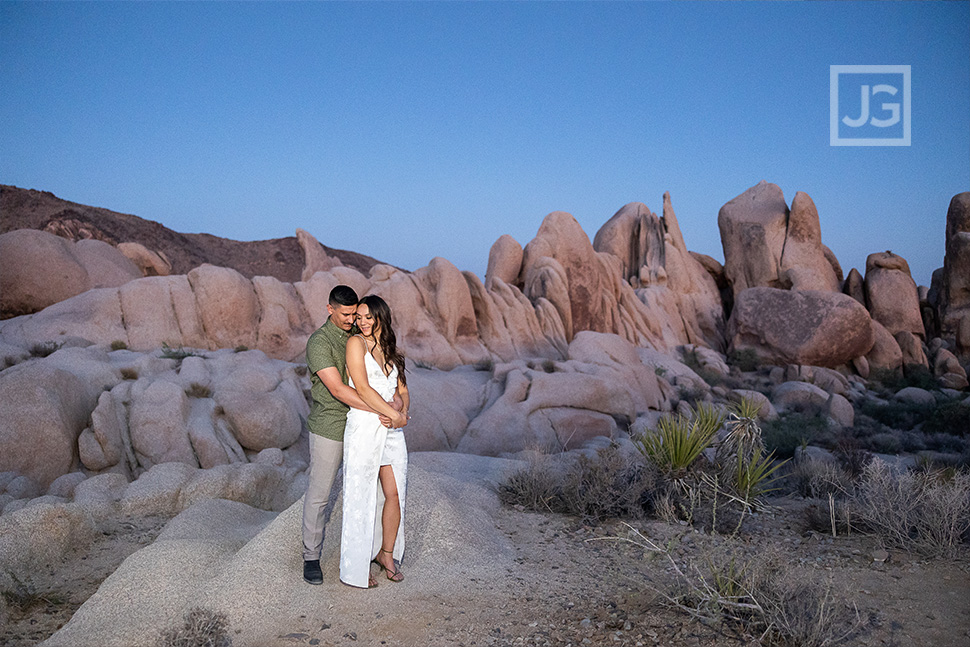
360, 403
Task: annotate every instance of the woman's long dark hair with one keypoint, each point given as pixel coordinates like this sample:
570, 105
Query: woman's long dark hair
382, 315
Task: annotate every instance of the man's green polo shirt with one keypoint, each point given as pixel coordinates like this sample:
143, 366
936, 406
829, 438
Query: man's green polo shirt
327, 347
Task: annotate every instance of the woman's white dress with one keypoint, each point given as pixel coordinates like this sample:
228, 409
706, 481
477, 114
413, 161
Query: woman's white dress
367, 446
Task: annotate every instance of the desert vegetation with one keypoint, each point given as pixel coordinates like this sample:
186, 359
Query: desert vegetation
720, 472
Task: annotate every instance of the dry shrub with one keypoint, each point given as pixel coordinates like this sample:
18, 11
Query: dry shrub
923, 512
45, 348
817, 479
611, 483
197, 390
751, 592
202, 628
536, 486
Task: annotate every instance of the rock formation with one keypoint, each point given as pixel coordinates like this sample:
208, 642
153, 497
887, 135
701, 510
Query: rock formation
891, 294
954, 306
38, 269
800, 327
766, 245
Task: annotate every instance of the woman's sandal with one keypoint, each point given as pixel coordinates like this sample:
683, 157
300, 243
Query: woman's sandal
395, 575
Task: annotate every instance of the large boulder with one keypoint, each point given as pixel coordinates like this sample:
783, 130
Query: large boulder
510, 326
752, 227
107, 267
93, 316
283, 322
552, 406
158, 425
891, 294
102, 445
148, 262
955, 289
613, 357
261, 400
804, 261
417, 332
227, 306
161, 310
700, 306
855, 286
37, 269
504, 261
800, 327
42, 411
443, 403
885, 354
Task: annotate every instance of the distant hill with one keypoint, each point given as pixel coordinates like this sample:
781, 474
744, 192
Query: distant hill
281, 257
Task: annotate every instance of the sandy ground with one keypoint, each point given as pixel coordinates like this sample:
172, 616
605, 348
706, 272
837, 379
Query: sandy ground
572, 585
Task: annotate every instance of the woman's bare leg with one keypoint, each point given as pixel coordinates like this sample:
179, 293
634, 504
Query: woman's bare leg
390, 517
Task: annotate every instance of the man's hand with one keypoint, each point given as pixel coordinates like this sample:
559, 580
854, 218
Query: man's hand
399, 420
385, 421
398, 405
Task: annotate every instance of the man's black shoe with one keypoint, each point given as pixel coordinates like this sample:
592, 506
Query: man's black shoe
311, 571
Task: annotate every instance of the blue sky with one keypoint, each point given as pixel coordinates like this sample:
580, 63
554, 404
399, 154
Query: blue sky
408, 131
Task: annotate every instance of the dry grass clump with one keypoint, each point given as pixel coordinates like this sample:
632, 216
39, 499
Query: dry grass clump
927, 512
197, 390
753, 595
202, 628
612, 483
45, 348
818, 479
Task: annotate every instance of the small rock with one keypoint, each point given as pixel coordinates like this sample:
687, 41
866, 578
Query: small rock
880, 555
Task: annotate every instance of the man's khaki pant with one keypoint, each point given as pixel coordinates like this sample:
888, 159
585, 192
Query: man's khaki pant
325, 458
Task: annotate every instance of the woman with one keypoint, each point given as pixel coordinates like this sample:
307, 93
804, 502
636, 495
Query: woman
373, 452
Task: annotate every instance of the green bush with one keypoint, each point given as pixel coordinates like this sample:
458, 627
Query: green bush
912, 375
745, 359
119, 345
897, 415
791, 430
951, 417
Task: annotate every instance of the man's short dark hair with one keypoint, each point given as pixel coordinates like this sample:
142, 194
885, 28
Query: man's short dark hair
343, 295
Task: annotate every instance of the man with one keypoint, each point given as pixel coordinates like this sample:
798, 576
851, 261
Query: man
332, 399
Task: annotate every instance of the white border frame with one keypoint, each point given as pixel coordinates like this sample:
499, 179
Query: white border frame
835, 71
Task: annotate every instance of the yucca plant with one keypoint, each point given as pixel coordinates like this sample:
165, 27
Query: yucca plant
678, 441
753, 477
744, 434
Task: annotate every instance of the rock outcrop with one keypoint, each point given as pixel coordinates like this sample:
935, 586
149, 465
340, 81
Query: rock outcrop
38, 269
767, 245
800, 327
891, 294
954, 306
804, 262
